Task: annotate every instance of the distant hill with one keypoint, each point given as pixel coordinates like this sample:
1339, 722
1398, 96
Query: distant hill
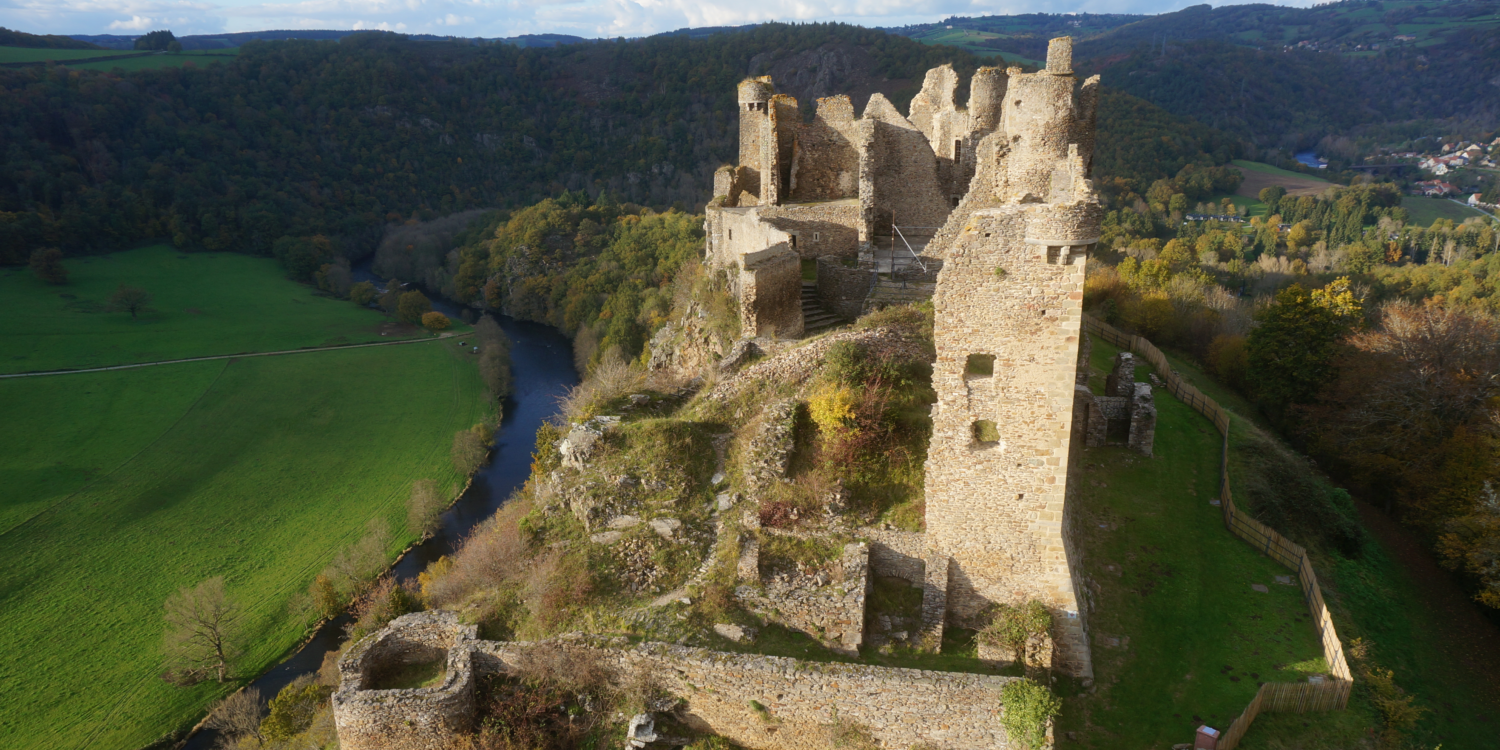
238, 39
10, 38
1279, 77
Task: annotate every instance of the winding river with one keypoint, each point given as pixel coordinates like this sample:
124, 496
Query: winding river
542, 370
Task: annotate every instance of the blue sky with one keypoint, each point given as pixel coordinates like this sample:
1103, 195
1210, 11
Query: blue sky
494, 18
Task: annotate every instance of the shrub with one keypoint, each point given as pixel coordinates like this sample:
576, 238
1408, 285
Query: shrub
293, 709
47, 265
470, 447
423, 507
1028, 708
1012, 625
435, 321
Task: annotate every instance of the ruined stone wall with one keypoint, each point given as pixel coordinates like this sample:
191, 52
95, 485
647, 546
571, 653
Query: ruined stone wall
829, 228
1011, 288
843, 290
827, 606
901, 707
898, 554
770, 293
902, 171
825, 165
415, 719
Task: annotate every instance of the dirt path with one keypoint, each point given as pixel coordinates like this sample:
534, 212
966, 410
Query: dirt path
1466, 636
224, 356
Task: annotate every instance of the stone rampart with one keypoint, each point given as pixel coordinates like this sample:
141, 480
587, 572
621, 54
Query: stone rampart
799, 700
370, 718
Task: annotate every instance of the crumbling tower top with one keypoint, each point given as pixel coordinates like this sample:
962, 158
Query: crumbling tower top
758, 90
1060, 56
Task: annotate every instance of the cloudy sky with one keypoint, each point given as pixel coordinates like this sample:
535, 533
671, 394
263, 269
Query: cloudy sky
496, 18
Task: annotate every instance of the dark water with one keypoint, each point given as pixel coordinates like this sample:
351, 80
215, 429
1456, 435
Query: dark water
542, 369
1310, 159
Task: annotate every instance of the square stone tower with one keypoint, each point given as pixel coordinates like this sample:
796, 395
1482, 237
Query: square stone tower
1009, 306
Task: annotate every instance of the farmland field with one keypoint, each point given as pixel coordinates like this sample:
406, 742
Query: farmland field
31, 54
123, 486
206, 303
151, 62
1259, 176
1423, 211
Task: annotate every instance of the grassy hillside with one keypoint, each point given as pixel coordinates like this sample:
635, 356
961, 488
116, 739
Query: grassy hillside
38, 54
123, 486
206, 303
155, 62
1179, 636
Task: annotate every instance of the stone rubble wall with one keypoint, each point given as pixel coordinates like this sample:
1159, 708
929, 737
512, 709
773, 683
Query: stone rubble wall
829, 609
770, 293
1121, 380
841, 290
415, 719
1142, 420
897, 554
768, 454
800, 700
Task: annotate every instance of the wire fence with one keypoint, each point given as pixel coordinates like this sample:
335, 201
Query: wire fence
1329, 694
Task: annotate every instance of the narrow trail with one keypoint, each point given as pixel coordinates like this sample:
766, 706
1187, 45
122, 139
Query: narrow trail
339, 347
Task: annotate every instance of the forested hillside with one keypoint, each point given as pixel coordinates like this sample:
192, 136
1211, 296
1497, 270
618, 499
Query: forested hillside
1280, 77
300, 138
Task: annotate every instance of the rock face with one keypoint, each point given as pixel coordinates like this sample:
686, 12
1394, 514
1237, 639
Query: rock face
582, 442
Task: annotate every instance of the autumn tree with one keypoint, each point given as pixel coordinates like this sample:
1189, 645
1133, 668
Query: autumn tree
293, 709
412, 306
494, 357
201, 631
47, 264
435, 321
237, 719
363, 293
1290, 352
390, 300
470, 448
423, 507
1471, 544
131, 299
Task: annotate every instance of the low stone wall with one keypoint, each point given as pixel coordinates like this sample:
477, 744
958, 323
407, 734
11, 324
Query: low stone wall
828, 606
901, 707
415, 719
843, 290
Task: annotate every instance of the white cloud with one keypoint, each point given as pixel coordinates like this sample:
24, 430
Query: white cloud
136, 23
491, 18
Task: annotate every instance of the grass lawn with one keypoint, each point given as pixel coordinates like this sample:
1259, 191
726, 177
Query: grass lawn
121, 487
1423, 211
1179, 636
1374, 598
206, 303
141, 482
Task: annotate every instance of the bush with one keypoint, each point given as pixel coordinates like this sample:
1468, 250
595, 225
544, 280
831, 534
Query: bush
1028, 709
47, 265
423, 507
470, 447
435, 321
1012, 625
293, 709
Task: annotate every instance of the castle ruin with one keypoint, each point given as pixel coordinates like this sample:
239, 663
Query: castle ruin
1007, 182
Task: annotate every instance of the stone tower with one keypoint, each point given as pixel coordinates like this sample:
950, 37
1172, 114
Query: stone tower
1009, 306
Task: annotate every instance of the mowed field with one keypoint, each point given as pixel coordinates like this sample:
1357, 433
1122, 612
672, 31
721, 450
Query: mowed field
1423, 211
206, 303
1259, 176
120, 487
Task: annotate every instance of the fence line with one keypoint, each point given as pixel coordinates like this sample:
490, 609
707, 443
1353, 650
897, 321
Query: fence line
1297, 697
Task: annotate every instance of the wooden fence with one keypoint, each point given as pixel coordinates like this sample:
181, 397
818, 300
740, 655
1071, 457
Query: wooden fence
1328, 695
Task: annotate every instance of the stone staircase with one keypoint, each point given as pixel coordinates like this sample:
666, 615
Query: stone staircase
814, 317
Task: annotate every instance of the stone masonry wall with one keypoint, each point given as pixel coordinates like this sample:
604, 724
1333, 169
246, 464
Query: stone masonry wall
417, 719
843, 290
1011, 288
829, 228
901, 707
770, 294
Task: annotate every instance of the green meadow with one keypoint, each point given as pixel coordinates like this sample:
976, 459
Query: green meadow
151, 62
35, 54
1179, 636
205, 304
122, 486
